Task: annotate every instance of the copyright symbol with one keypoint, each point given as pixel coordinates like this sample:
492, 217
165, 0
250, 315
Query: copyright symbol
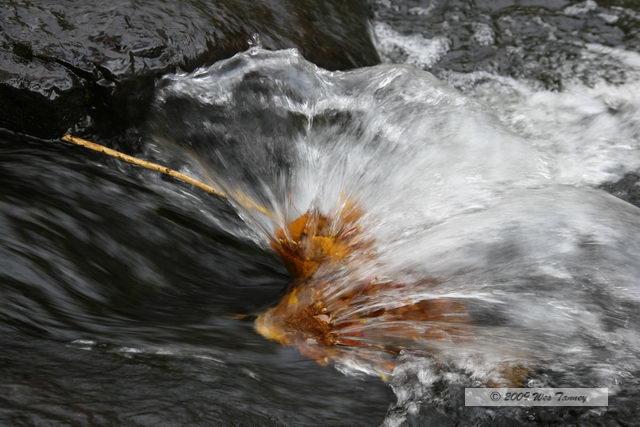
495, 396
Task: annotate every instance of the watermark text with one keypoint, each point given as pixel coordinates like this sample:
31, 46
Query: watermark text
536, 397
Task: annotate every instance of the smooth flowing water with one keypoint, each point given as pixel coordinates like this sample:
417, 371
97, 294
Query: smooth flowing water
120, 287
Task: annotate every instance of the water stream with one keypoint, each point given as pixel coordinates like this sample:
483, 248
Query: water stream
121, 288
504, 221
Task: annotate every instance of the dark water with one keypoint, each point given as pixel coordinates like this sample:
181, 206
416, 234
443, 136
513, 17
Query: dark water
148, 282
119, 288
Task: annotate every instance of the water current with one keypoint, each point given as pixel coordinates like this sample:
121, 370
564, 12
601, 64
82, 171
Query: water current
121, 288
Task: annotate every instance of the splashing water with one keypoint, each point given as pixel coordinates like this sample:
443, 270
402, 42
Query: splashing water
456, 205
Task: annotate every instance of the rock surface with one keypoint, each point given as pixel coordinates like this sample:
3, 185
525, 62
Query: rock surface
627, 188
63, 63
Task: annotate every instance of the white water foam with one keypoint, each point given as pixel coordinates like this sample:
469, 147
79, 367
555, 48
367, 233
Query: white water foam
488, 192
415, 49
591, 134
584, 135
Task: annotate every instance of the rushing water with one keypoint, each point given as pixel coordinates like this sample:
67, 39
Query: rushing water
547, 270
120, 287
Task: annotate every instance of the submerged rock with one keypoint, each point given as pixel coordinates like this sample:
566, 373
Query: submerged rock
62, 62
627, 188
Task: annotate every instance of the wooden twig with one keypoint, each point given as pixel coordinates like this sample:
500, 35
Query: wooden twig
245, 200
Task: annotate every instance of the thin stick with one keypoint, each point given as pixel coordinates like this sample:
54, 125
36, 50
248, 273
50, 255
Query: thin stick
245, 200
148, 165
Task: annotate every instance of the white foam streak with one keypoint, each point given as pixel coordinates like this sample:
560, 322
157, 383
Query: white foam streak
418, 50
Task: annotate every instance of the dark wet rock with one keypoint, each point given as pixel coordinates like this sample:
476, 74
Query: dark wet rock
537, 40
40, 106
63, 61
628, 188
